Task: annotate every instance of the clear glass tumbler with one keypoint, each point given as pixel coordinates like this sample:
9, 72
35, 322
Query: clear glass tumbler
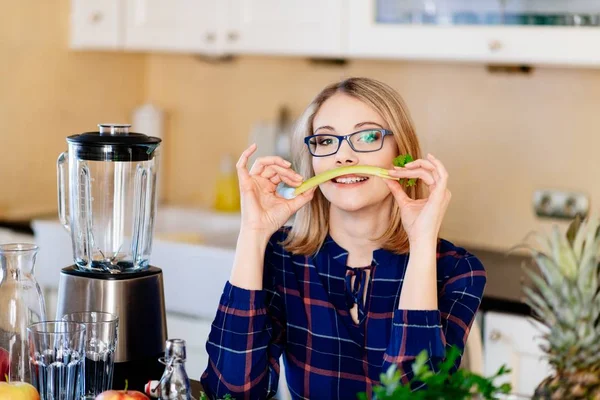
57, 351
100, 345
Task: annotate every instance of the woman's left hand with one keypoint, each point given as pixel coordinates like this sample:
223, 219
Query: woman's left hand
422, 218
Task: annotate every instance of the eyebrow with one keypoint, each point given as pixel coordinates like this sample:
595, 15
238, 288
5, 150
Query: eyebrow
331, 128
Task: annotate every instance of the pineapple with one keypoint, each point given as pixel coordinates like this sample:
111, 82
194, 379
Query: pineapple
565, 297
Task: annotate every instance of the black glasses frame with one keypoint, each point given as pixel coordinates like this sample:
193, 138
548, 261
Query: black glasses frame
384, 133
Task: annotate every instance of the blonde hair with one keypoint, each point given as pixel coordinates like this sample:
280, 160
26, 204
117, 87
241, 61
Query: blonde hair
311, 223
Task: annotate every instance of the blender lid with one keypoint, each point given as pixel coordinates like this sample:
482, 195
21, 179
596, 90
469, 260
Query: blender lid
114, 142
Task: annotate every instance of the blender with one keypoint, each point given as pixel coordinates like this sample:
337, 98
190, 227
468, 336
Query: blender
107, 202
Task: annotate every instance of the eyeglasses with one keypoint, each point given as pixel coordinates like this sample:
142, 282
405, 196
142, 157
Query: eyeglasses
365, 141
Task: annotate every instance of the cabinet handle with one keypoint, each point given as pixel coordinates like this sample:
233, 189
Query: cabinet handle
96, 17
495, 45
495, 335
210, 37
233, 36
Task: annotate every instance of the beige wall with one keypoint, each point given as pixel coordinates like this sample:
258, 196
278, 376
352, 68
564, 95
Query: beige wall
500, 136
48, 93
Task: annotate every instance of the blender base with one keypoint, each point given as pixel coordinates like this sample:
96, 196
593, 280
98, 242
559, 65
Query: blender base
137, 298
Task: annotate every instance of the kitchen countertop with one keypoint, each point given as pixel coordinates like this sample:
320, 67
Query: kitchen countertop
505, 276
196, 388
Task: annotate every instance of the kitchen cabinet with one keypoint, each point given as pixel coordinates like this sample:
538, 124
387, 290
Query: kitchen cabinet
292, 27
175, 25
514, 341
195, 332
96, 24
562, 32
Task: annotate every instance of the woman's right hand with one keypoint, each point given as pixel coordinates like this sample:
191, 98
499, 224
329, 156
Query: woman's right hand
263, 210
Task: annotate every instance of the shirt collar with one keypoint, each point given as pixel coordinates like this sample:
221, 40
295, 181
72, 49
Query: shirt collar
381, 257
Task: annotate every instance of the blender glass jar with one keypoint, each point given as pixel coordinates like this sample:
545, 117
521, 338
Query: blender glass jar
110, 191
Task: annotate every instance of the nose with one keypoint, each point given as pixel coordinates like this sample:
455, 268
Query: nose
345, 155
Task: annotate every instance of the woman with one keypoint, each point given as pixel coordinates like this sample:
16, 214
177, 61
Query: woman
361, 280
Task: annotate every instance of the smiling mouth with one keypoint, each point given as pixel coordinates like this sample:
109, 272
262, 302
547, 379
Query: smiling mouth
350, 179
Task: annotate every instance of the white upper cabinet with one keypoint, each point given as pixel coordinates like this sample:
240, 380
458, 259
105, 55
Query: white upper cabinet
96, 24
559, 32
537, 32
171, 26
289, 27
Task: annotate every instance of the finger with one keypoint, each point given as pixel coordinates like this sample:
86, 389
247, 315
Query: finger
273, 170
290, 182
439, 193
422, 174
262, 162
426, 164
277, 179
299, 201
441, 170
397, 191
242, 161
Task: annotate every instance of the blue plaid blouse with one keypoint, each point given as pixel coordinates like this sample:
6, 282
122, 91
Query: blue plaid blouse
303, 313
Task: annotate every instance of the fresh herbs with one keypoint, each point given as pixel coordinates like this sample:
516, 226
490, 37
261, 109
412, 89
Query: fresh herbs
203, 396
401, 161
460, 385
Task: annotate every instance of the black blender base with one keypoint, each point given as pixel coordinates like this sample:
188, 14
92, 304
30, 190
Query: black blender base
137, 373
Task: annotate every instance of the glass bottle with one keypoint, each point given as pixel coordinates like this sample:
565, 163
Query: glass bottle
175, 383
21, 304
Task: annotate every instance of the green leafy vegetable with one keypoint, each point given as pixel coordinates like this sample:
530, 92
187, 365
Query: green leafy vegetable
401, 161
461, 385
203, 396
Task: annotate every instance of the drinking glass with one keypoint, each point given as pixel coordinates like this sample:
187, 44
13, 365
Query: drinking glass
56, 356
100, 345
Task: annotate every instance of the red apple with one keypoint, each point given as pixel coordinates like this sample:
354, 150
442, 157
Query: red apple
121, 395
18, 391
4, 356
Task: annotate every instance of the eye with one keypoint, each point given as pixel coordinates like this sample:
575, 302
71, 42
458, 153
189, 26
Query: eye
369, 136
323, 140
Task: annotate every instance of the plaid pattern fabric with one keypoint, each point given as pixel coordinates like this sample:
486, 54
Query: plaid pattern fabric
303, 313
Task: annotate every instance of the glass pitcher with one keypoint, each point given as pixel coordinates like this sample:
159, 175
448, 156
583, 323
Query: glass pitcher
21, 304
111, 197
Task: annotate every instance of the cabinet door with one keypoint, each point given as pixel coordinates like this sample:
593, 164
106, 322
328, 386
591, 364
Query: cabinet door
96, 24
171, 26
554, 33
291, 27
195, 332
514, 341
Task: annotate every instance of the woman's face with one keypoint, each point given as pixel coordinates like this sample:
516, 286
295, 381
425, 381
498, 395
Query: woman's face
343, 115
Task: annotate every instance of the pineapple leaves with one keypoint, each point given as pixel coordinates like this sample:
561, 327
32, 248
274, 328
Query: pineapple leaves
565, 295
573, 229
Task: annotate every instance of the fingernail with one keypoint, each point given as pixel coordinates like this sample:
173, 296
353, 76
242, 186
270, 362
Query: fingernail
287, 162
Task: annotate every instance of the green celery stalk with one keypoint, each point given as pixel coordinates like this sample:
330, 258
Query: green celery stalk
334, 173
